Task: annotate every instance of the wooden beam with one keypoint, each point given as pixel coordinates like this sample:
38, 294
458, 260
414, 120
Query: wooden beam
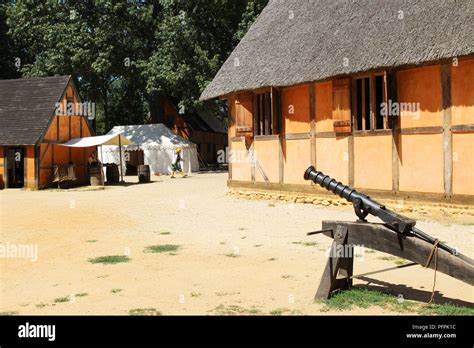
312, 118
381, 238
447, 134
396, 137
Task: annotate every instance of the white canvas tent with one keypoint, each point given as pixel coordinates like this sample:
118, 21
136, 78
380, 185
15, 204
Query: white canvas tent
158, 144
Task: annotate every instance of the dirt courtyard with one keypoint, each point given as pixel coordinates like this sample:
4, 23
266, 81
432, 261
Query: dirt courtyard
234, 256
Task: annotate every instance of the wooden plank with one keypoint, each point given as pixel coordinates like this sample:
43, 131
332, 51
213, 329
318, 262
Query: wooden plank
364, 106
447, 134
463, 128
422, 130
312, 120
381, 238
267, 137
396, 137
350, 167
331, 134
292, 136
373, 133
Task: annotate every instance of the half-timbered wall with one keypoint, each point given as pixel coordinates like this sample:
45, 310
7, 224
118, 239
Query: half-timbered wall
61, 129
427, 149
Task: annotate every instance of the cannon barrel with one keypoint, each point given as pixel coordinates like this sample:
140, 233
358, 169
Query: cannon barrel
364, 205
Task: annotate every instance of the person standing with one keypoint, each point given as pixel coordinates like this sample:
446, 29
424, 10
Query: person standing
176, 166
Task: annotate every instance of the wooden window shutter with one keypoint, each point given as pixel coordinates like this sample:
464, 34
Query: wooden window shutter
341, 112
243, 111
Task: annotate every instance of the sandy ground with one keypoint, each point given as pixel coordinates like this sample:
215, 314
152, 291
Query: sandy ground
274, 271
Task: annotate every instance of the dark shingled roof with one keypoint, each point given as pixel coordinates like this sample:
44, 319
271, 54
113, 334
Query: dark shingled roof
27, 106
296, 41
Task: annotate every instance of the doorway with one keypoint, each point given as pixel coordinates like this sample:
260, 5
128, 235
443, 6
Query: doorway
15, 167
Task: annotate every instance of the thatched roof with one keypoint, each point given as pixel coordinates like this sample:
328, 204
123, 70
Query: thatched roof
27, 106
280, 50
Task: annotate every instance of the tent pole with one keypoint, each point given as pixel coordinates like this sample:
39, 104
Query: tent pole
120, 152
102, 164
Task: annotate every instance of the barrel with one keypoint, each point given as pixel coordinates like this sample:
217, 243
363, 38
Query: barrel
144, 173
112, 174
95, 173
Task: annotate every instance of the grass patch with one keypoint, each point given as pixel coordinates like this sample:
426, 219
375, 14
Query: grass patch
242, 228
286, 276
165, 233
222, 243
161, 248
271, 205
82, 294
258, 245
363, 298
305, 243
91, 241
222, 293
109, 260
195, 294
233, 255
61, 299
397, 260
116, 290
144, 312
272, 259
236, 310
8, 313
445, 309
41, 305
283, 311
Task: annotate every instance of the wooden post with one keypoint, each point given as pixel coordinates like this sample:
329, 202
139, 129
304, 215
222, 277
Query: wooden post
396, 136
120, 153
337, 265
312, 117
447, 134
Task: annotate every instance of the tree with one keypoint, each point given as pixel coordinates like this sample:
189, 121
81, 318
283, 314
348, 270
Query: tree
7, 56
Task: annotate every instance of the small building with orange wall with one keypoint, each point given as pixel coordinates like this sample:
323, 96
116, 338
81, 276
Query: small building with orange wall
32, 125
378, 97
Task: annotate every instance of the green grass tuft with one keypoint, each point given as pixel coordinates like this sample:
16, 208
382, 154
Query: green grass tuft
8, 313
112, 259
161, 248
61, 299
144, 312
82, 294
235, 310
116, 290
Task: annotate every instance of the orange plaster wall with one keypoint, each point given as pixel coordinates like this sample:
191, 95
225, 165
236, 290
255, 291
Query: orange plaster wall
296, 160
267, 152
421, 85
463, 164
296, 100
240, 168
332, 157
421, 168
462, 93
324, 121
373, 162
30, 166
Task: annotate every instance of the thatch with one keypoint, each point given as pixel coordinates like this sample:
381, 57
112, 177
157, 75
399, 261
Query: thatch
279, 51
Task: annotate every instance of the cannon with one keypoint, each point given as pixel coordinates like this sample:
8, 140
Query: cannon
396, 235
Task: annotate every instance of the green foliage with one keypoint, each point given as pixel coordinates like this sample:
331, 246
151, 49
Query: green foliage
107, 260
124, 54
163, 248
